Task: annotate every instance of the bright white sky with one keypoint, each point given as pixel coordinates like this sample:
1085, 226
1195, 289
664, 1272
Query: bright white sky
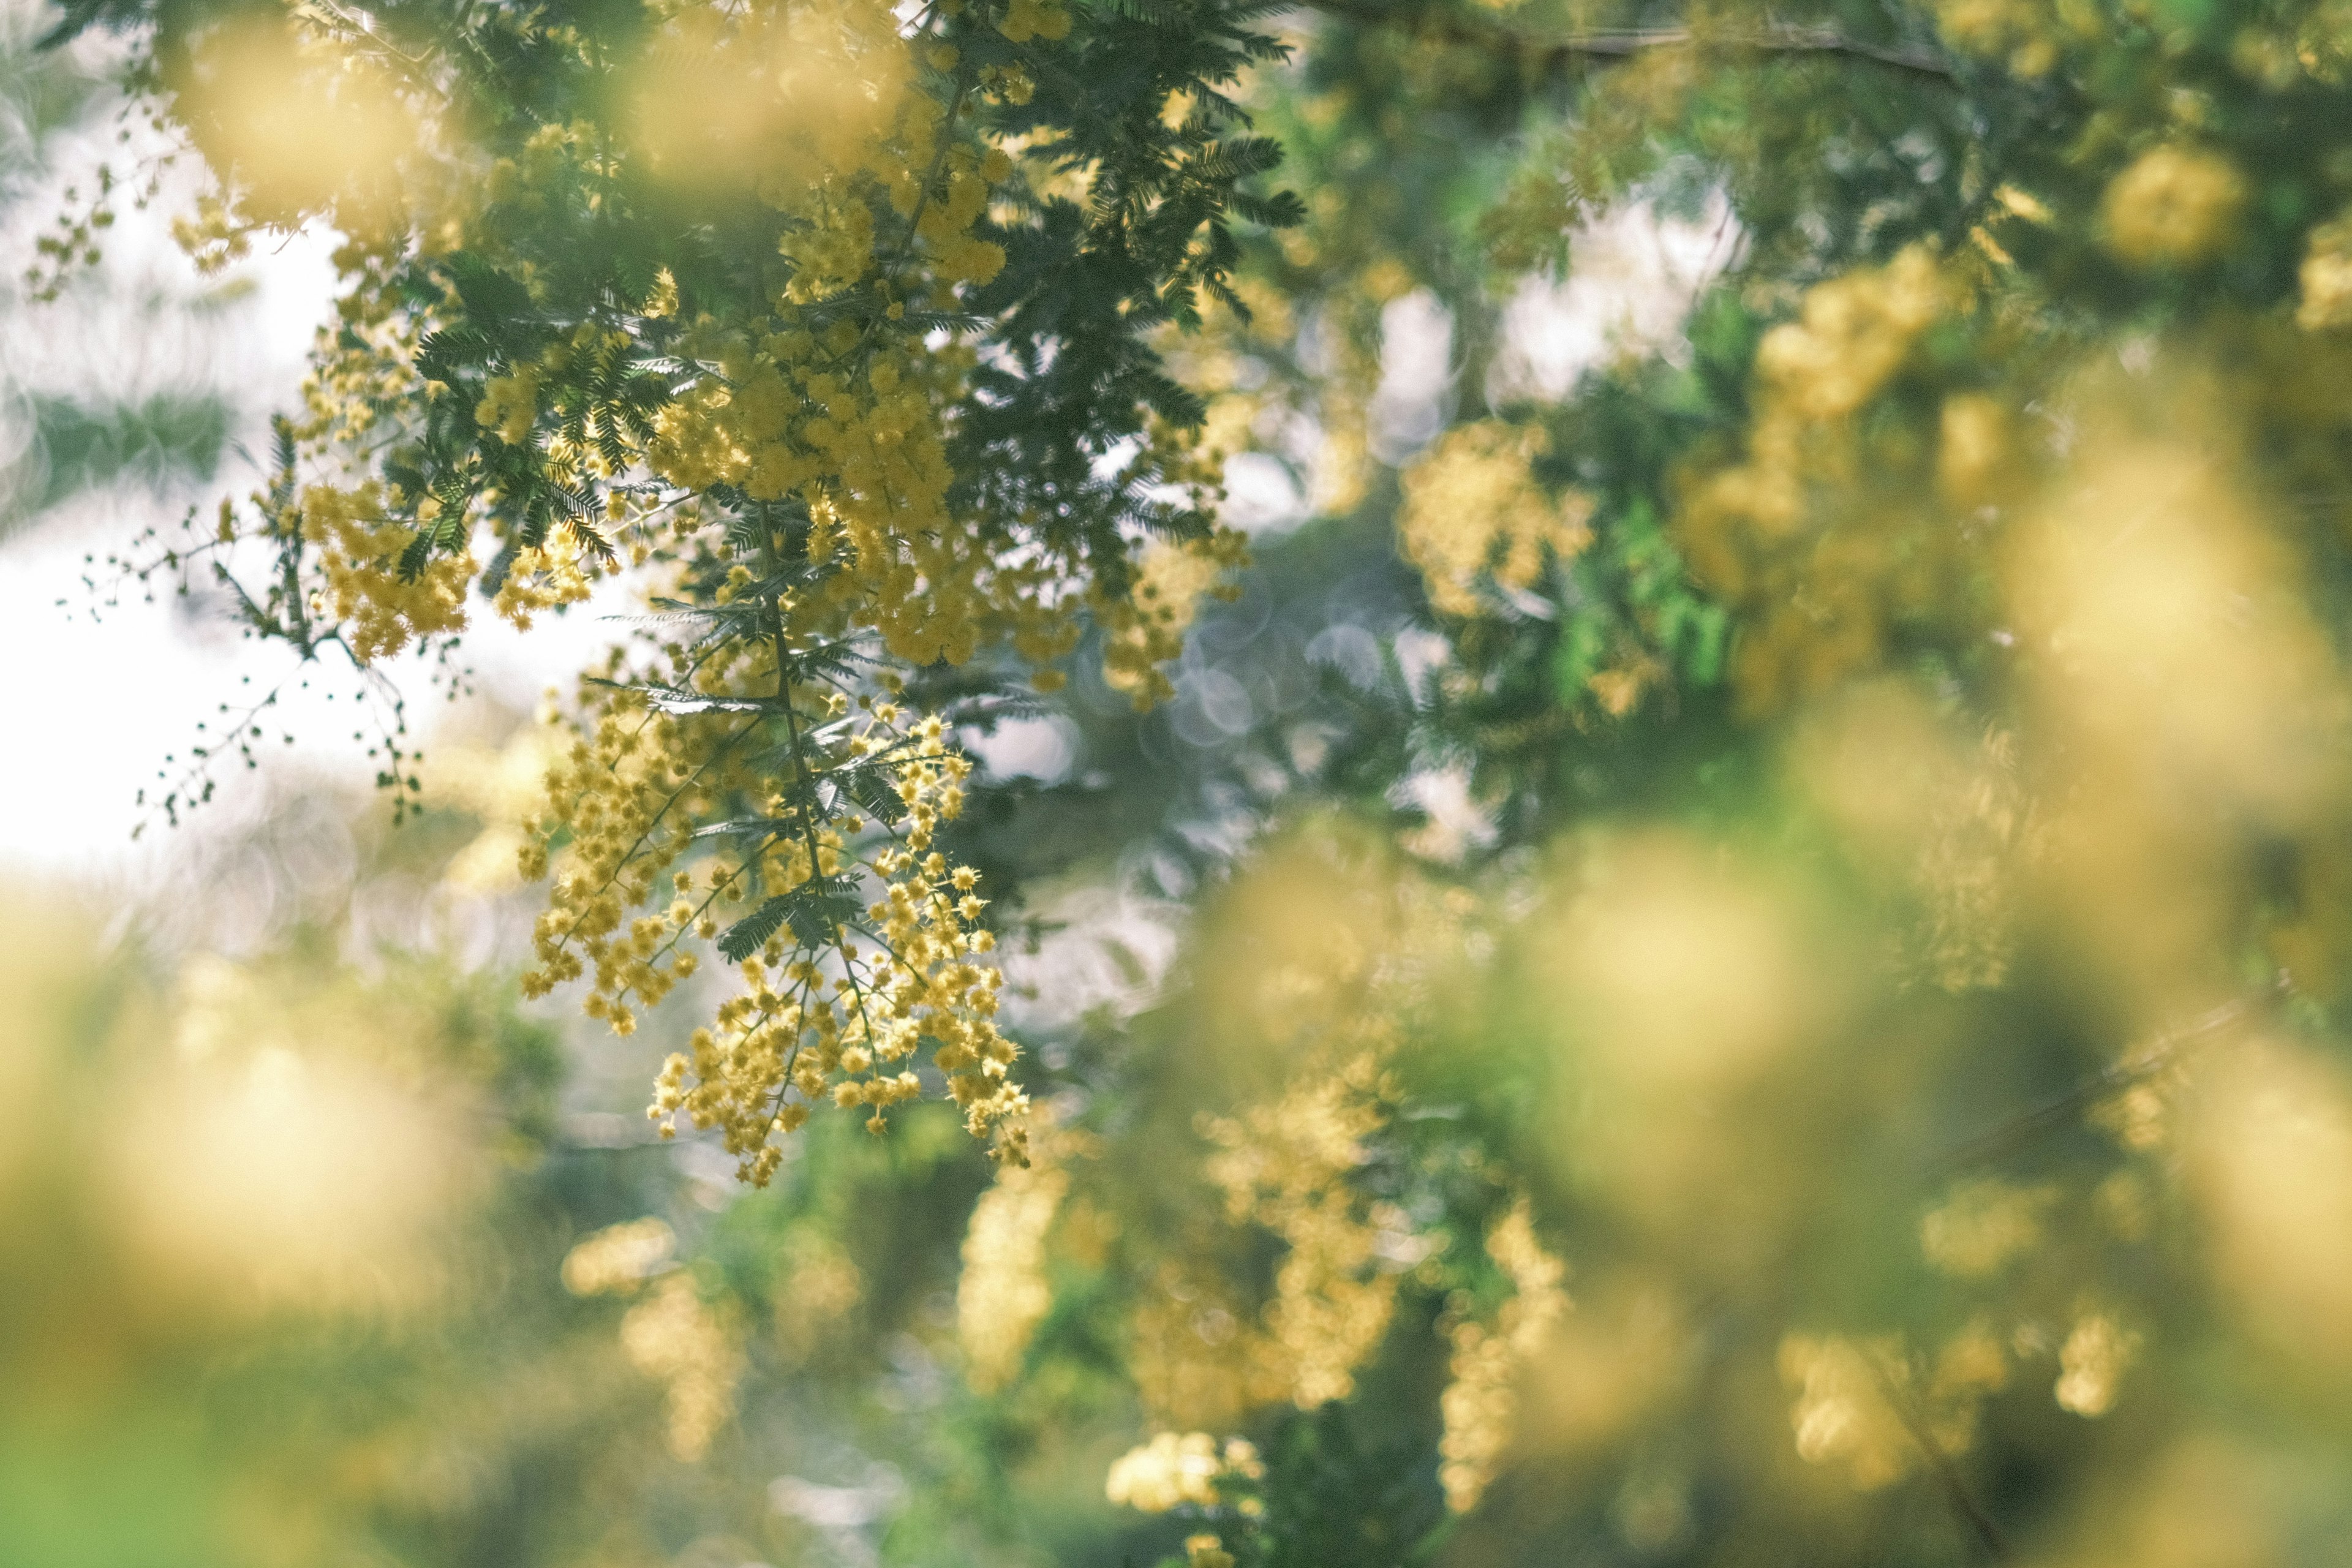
93, 706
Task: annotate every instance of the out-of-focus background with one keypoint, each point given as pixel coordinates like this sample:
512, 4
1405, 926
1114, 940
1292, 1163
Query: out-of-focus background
1505, 1097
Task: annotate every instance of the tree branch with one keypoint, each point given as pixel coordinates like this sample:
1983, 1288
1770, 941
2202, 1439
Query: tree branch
2138, 1067
1557, 50
1953, 1485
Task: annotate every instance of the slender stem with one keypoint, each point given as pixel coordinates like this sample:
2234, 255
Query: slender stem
1558, 49
2134, 1068
1948, 1474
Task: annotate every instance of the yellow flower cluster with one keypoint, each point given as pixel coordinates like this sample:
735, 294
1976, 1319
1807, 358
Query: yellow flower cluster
509, 406
1473, 511
1172, 1471
816, 1285
1198, 1354
1199, 1358
2326, 279
619, 1257
825, 399
1481, 1404
360, 543
823, 1015
544, 577
299, 119
1027, 19
2027, 36
1327, 955
1844, 1414
1206, 1550
1853, 335
674, 1336
1816, 535
1147, 628
1285, 1167
1003, 1295
671, 1335
1876, 1413
2092, 1363
851, 420
1983, 1225
2174, 206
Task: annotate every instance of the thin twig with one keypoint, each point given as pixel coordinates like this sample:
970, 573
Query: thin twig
1948, 1474
1558, 49
2136, 1067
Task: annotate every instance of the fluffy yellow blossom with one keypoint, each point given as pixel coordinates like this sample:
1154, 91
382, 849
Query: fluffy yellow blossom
2174, 206
1869, 1410
619, 1257
698, 1356
1481, 1404
2092, 1363
2326, 279
1983, 1225
1147, 629
885, 955
544, 577
509, 406
1003, 1295
1027, 19
776, 454
1853, 334
1843, 1415
1285, 1167
1803, 530
1174, 1470
816, 1285
2028, 34
1474, 510
1206, 1550
359, 543
1976, 449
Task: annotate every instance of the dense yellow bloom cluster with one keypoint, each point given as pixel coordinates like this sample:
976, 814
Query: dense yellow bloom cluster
2091, 1363
671, 1335
619, 1257
1983, 1225
816, 1287
545, 577
819, 410
1874, 1413
2173, 206
1822, 544
1027, 19
304, 120
509, 406
1002, 1294
2326, 279
1147, 628
1845, 1413
835, 1013
360, 543
1481, 1404
1172, 1471
1284, 1167
1206, 1550
1473, 511
2028, 34
1200, 1357
696, 1352
1853, 335
1327, 962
